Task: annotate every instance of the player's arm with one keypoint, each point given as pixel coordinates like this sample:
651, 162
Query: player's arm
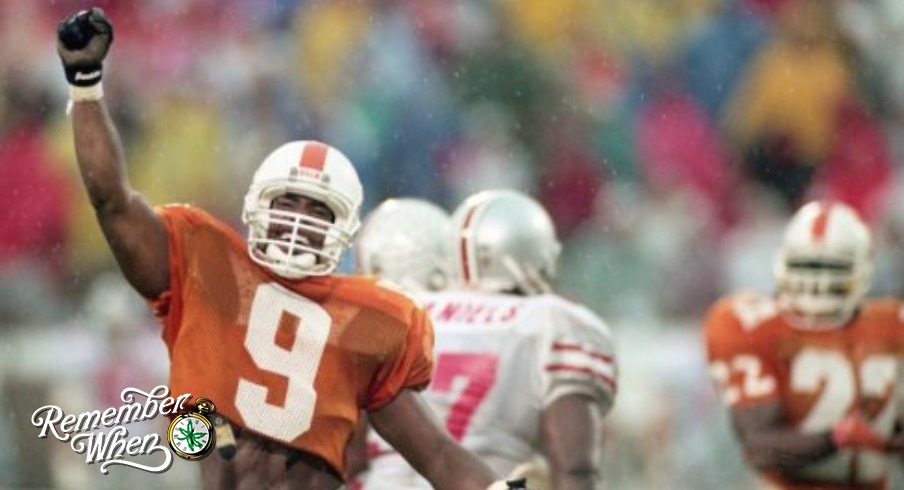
135, 233
356, 457
571, 428
742, 366
769, 440
579, 379
770, 444
410, 427
748, 386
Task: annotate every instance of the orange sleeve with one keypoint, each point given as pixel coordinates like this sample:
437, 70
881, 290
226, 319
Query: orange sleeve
413, 366
721, 331
178, 220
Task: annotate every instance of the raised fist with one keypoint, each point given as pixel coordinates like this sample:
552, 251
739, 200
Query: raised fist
83, 41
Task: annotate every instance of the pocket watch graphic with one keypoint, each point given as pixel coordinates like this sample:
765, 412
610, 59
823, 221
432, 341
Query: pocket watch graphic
191, 434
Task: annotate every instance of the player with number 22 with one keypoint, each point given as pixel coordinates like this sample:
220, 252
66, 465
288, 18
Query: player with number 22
811, 373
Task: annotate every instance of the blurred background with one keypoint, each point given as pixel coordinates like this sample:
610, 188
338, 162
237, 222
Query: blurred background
669, 139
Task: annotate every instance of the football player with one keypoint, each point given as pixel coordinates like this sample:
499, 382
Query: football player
405, 242
520, 374
289, 353
811, 374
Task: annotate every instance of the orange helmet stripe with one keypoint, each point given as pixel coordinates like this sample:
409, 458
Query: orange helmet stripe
314, 156
821, 223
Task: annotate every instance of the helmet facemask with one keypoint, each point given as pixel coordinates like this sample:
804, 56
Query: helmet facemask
294, 244
821, 293
528, 279
289, 251
824, 268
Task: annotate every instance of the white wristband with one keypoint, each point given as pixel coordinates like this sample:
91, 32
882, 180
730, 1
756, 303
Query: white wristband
498, 485
94, 92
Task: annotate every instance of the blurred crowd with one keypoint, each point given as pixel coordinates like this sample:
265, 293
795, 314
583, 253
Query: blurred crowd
670, 140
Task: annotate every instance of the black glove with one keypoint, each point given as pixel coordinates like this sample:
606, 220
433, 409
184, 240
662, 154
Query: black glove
519, 484
83, 41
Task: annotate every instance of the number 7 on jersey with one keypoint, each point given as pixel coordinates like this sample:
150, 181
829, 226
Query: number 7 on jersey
468, 378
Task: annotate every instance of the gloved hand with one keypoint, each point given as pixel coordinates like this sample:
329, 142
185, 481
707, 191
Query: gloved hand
853, 432
536, 471
83, 41
520, 484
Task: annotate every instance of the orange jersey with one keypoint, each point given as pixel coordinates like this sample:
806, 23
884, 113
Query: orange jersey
755, 355
292, 360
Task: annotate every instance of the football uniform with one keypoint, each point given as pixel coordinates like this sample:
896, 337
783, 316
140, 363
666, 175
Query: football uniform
291, 360
499, 360
755, 356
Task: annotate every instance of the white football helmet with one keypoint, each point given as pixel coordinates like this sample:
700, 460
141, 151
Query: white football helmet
409, 242
505, 241
824, 266
314, 170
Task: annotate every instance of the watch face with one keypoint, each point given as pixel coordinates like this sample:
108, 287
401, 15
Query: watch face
191, 436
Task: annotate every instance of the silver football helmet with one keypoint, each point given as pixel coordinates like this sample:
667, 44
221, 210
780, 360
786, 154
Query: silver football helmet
505, 241
407, 241
824, 267
314, 170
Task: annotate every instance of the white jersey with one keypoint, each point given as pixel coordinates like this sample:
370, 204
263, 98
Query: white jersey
499, 360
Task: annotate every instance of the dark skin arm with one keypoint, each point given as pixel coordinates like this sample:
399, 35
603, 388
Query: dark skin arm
135, 233
411, 428
771, 445
570, 428
356, 460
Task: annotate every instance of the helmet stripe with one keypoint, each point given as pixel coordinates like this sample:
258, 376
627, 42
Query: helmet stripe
313, 156
821, 223
465, 243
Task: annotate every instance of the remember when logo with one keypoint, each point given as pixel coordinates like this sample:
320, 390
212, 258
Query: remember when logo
87, 432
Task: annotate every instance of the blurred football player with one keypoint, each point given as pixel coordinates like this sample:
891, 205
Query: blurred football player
289, 353
520, 373
811, 374
407, 243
